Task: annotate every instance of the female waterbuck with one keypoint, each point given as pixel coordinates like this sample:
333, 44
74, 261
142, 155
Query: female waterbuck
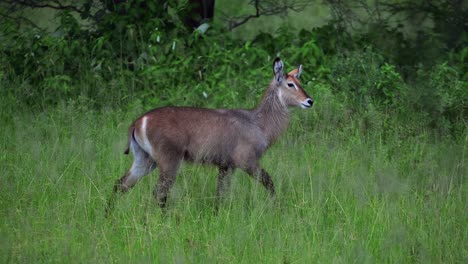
227, 138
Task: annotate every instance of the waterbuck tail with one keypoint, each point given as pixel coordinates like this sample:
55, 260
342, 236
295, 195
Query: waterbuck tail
131, 130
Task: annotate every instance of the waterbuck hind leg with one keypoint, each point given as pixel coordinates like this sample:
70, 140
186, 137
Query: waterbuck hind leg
129, 180
111, 200
142, 165
263, 177
161, 190
167, 176
224, 181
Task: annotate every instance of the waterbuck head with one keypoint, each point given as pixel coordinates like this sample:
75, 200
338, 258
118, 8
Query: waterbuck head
289, 88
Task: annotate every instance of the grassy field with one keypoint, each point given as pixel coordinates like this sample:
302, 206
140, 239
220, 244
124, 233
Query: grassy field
343, 197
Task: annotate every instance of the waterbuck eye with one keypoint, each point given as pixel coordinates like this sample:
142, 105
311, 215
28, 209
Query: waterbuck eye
290, 84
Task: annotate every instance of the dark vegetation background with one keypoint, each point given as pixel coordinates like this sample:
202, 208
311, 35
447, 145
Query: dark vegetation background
398, 61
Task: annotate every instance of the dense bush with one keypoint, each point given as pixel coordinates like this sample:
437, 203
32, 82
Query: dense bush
367, 79
369, 76
441, 93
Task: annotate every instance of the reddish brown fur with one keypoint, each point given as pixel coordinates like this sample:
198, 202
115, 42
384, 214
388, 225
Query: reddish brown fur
227, 138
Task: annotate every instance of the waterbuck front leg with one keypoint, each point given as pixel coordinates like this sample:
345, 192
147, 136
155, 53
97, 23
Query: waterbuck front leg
258, 173
224, 181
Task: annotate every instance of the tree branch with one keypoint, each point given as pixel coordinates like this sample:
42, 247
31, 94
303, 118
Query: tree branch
268, 8
16, 6
17, 20
234, 24
58, 5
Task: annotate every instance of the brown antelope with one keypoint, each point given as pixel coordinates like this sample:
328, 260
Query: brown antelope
227, 138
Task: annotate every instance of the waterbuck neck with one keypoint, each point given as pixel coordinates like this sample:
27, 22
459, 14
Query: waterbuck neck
272, 114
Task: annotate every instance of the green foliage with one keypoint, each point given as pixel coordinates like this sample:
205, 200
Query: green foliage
367, 80
139, 51
441, 93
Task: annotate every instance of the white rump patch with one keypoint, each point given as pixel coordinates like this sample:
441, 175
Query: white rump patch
145, 145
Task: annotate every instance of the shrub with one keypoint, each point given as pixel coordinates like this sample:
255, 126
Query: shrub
441, 93
368, 80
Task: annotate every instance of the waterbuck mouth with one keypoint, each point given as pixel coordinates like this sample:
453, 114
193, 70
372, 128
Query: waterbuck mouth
307, 104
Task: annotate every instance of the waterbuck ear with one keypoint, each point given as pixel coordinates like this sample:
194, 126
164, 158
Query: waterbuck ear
278, 70
299, 72
296, 72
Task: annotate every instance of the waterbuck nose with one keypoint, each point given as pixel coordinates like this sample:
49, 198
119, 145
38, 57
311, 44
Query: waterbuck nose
310, 101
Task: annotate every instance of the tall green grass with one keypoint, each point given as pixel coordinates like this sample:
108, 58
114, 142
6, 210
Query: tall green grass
344, 196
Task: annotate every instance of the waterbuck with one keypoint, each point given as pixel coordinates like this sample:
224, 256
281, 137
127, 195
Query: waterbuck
227, 138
